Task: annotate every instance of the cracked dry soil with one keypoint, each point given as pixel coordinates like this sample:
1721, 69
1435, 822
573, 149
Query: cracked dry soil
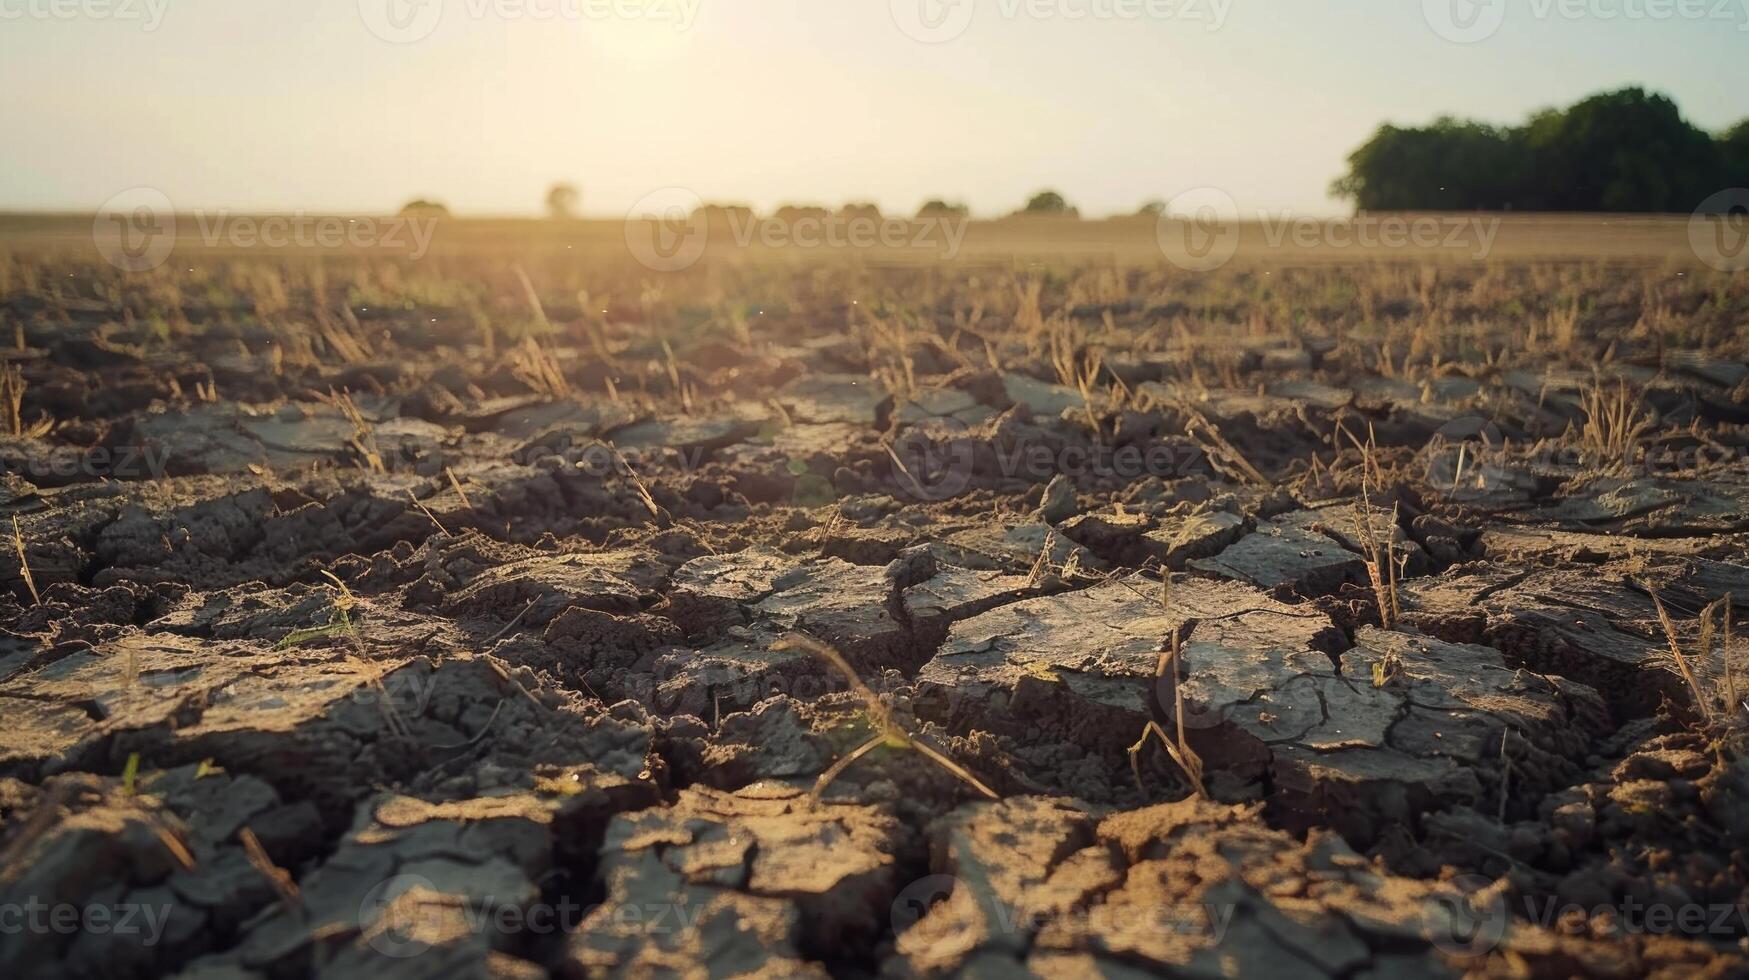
355, 646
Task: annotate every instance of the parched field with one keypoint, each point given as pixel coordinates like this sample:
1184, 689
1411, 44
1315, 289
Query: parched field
520, 609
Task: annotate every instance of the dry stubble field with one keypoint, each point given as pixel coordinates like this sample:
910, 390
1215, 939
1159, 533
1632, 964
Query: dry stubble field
521, 609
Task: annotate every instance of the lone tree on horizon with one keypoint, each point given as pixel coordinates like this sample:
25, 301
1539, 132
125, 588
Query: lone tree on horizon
1050, 202
419, 207
562, 201
936, 207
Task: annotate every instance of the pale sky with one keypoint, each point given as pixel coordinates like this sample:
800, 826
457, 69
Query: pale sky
297, 104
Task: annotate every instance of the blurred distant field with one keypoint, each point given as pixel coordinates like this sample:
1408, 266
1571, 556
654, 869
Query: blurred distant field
1392, 237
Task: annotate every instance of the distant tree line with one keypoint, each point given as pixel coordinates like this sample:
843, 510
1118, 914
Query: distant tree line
562, 202
1045, 202
1619, 151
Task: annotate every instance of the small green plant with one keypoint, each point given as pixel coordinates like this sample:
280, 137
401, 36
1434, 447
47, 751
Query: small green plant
341, 623
1386, 668
339, 618
888, 732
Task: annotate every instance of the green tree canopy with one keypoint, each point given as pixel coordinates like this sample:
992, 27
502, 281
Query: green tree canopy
1620, 151
1734, 155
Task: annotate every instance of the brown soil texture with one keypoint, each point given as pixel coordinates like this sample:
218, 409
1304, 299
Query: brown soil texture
368, 619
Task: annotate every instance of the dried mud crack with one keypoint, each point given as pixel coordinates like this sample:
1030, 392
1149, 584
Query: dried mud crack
402, 658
